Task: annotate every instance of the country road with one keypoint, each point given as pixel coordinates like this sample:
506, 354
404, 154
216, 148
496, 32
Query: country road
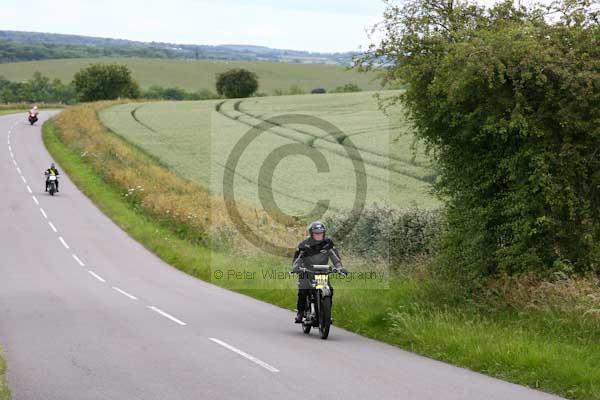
86, 312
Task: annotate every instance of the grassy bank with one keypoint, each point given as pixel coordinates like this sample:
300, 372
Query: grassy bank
535, 339
4, 392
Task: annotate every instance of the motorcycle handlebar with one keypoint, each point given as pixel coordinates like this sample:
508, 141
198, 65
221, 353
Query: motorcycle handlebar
331, 270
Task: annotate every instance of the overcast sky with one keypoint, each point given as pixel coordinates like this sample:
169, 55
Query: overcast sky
316, 25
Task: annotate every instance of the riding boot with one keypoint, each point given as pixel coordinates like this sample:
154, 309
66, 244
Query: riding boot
300, 306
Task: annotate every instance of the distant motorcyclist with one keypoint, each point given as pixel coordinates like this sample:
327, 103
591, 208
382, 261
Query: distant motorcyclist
51, 171
33, 115
315, 250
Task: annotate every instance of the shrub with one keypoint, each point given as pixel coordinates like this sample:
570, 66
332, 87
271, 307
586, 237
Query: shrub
203, 94
295, 90
160, 93
508, 101
390, 235
105, 82
237, 83
347, 88
291, 91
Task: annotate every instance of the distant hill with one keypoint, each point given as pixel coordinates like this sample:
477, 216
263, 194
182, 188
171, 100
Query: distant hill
34, 46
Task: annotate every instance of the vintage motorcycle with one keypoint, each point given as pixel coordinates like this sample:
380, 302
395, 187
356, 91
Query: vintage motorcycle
318, 301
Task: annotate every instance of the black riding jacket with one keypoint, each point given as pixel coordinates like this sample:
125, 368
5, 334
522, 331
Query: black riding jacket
50, 171
310, 252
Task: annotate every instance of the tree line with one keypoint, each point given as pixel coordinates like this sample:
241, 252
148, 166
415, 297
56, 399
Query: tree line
15, 52
97, 82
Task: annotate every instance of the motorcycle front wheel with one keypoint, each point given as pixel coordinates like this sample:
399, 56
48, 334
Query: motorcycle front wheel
306, 327
325, 317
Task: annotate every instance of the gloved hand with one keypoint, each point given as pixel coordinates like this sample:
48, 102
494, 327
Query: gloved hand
341, 270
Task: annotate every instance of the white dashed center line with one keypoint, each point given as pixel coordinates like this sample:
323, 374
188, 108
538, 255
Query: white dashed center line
43, 213
164, 314
78, 260
245, 355
97, 276
124, 293
52, 226
63, 242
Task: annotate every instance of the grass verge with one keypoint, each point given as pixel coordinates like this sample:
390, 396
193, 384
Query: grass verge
552, 350
9, 111
4, 392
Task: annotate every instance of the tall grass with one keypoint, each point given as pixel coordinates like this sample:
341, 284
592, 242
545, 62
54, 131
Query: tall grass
528, 331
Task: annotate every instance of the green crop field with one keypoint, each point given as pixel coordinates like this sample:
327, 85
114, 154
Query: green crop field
193, 75
195, 139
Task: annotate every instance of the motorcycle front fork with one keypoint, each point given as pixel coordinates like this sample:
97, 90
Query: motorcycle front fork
311, 311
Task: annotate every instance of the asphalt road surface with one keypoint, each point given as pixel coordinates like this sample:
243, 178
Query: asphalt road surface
87, 313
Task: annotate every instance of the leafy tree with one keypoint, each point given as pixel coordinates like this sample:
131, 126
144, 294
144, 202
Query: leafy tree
63, 93
508, 100
237, 83
105, 82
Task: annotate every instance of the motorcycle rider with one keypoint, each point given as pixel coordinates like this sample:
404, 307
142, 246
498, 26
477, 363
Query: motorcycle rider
34, 111
51, 171
315, 250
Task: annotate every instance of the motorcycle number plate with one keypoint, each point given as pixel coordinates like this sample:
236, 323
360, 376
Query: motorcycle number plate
322, 281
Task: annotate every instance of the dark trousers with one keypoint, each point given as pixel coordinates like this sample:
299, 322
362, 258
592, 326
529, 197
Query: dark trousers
302, 294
